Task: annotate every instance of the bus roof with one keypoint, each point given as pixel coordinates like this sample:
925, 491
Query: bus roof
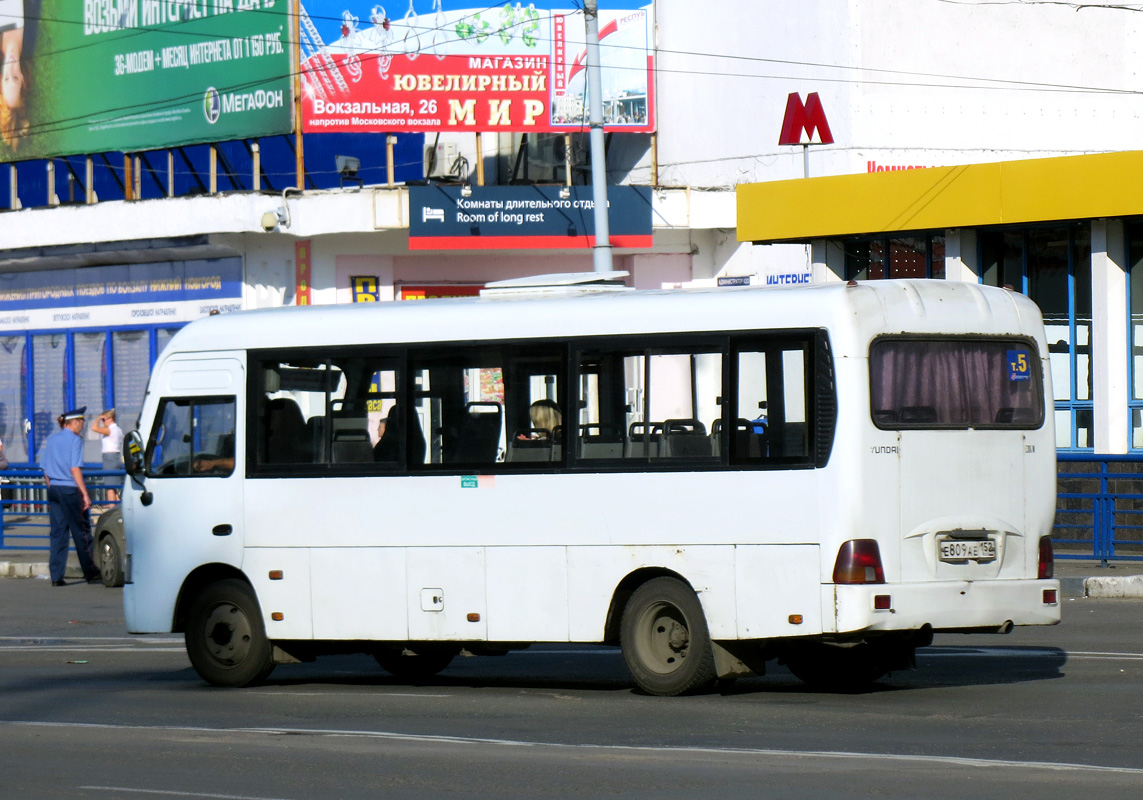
853, 312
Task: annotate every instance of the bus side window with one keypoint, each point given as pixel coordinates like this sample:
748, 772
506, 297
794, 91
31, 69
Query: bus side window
772, 406
194, 436
648, 405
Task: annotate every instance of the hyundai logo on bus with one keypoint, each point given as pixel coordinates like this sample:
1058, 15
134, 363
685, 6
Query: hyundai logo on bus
452, 217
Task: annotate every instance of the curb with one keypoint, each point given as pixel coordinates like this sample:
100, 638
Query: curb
34, 569
1127, 586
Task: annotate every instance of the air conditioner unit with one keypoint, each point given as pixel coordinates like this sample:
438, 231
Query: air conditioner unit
440, 166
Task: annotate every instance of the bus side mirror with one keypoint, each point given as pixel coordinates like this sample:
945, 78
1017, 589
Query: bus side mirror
133, 453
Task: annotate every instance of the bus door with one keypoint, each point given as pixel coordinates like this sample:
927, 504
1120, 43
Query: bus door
193, 481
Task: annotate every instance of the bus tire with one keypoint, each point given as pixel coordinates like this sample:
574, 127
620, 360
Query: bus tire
665, 641
408, 665
110, 562
225, 636
837, 668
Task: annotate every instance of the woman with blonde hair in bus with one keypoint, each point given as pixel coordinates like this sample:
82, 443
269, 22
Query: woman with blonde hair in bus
546, 416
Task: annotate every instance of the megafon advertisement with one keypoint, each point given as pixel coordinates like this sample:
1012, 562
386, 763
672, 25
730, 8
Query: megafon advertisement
87, 76
443, 65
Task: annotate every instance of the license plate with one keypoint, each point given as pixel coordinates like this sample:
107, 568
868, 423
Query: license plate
967, 550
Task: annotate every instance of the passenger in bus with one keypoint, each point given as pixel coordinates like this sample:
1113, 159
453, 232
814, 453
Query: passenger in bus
546, 416
217, 465
388, 447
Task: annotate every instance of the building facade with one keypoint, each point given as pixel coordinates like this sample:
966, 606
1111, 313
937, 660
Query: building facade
91, 287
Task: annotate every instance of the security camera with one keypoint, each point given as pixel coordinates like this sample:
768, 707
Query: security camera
269, 221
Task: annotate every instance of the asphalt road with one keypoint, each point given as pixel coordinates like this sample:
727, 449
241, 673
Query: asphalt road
87, 711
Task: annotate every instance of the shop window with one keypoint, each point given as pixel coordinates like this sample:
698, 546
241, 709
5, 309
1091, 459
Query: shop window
920, 256
91, 386
13, 397
1053, 266
1134, 238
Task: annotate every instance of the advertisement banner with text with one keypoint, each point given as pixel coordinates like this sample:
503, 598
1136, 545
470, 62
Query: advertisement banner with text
89, 76
128, 294
508, 67
496, 217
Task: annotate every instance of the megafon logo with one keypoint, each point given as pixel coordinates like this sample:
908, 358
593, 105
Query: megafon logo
808, 118
211, 105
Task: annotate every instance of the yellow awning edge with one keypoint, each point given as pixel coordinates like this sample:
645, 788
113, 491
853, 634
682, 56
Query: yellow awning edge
970, 195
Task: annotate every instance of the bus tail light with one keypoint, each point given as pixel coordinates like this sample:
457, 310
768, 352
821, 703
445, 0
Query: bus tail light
859, 561
1047, 566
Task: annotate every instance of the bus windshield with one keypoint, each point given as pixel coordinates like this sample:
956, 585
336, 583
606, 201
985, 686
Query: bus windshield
955, 383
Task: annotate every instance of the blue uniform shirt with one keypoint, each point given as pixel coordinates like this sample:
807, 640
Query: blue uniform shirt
62, 451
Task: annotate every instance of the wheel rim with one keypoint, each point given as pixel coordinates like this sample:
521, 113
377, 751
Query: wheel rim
663, 638
107, 560
227, 634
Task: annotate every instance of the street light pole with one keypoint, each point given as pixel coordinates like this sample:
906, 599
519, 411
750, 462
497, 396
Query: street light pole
601, 253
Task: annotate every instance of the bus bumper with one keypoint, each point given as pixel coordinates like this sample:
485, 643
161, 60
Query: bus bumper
944, 605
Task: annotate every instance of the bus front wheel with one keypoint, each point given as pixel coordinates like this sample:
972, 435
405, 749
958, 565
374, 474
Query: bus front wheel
665, 641
225, 636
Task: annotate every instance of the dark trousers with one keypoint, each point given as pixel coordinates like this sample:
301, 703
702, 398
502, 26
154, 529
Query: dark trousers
65, 510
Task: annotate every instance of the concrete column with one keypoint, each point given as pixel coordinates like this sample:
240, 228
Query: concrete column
962, 258
1109, 337
827, 261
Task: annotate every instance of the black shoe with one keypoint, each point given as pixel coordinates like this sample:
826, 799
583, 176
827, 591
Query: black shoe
96, 578
59, 583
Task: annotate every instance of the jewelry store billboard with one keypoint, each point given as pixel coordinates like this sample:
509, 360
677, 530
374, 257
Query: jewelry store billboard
464, 68
89, 76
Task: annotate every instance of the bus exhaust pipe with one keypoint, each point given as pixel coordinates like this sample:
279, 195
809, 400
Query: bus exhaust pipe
1005, 628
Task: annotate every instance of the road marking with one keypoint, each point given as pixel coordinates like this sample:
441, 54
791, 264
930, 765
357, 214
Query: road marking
172, 793
976, 763
373, 692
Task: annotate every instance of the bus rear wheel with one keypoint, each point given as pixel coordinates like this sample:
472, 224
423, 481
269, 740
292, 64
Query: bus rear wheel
665, 641
424, 662
839, 668
225, 636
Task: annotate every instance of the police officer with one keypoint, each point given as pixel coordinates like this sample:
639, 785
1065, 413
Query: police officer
68, 501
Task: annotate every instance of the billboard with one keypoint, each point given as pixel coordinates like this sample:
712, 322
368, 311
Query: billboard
88, 76
509, 67
504, 217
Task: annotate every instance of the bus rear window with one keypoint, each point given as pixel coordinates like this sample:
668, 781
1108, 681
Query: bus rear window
955, 383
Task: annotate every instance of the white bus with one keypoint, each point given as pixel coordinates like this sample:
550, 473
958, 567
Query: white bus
822, 476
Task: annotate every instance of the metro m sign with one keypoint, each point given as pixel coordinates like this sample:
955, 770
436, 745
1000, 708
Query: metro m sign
808, 117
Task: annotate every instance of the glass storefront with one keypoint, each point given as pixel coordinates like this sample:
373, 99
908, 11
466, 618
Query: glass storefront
99, 369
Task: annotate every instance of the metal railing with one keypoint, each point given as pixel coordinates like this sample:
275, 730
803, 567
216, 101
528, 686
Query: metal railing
24, 523
1099, 507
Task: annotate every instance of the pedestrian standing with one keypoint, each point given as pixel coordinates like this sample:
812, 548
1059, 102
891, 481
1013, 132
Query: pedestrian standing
112, 446
68, 501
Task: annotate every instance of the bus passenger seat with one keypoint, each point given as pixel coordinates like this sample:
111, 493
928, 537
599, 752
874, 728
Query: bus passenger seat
531, 444
352, 447
288, 440
685, 438
601, 440
478, 438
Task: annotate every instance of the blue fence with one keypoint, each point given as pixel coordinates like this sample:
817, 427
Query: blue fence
24, 505
1099, 508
